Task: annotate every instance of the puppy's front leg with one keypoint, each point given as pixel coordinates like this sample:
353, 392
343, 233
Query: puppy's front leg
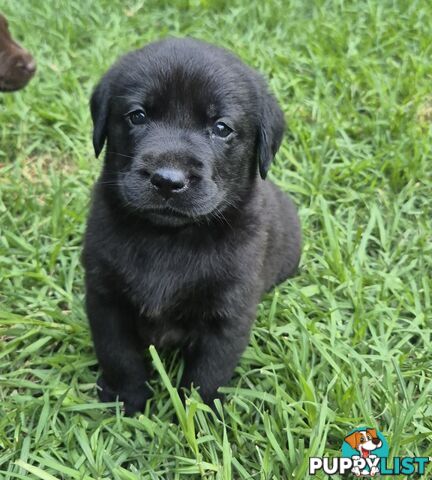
124, 371
210, 362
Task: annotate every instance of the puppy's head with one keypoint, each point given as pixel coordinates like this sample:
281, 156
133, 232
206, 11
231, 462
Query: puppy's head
17, 66
188, 127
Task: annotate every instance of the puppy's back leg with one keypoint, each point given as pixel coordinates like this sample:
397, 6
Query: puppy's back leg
292, 235
284, 249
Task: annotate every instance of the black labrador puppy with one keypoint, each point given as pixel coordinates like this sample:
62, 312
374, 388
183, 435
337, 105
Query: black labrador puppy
184, 236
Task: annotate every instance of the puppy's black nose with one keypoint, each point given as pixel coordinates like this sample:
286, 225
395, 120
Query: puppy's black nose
168, 181
31, 66
27, 66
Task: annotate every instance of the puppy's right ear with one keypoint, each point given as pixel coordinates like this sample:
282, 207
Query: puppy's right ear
99, 111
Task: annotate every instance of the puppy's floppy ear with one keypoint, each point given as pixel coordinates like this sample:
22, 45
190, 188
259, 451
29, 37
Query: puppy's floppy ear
99, 111
270, 131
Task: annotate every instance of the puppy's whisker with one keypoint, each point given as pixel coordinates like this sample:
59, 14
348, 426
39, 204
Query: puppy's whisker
120, 154
111, 184
220, 216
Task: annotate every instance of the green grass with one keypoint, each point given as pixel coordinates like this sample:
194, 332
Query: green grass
345, 343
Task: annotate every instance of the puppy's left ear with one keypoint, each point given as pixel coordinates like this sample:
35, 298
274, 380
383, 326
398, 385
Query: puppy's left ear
99, 105
270, 132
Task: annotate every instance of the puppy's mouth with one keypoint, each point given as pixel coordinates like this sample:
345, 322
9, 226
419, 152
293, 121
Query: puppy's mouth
166, 212
169, 212
173, 216
167, 217
182, 208
6, 86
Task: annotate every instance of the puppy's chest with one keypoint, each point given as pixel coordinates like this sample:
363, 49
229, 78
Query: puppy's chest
169, 281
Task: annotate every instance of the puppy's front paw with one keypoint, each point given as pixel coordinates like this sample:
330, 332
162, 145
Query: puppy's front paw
105, 392
134, 400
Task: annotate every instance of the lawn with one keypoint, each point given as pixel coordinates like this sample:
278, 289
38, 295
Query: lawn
345, 343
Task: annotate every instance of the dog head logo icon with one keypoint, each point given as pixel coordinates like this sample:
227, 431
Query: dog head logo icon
365, 443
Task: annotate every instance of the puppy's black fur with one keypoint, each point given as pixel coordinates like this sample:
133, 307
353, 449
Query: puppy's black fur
183, 236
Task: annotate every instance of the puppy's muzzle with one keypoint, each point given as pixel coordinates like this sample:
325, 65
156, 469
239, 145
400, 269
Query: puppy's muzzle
168, 181
27, 66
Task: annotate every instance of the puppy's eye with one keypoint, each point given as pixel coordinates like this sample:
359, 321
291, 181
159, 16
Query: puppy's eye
137, 117
221, 130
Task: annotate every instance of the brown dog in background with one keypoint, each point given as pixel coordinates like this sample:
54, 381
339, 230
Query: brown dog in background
17, 66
